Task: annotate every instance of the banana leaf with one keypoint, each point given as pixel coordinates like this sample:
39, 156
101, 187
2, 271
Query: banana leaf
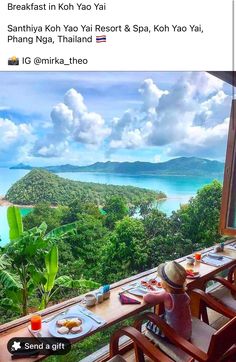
62, 230
15, 222
51, 261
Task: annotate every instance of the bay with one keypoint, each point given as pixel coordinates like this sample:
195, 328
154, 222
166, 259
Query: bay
178, 189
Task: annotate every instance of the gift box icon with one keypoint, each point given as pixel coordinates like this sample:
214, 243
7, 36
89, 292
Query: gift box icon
13, 61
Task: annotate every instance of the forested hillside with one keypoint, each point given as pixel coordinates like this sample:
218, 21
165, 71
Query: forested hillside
184, 166
42, 186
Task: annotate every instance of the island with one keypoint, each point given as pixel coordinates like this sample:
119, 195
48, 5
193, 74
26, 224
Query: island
40, 185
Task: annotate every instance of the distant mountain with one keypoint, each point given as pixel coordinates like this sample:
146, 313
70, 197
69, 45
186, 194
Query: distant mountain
183, 166
21, 166
42, 186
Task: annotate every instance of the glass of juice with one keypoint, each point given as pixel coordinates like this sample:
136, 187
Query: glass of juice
36, 322
198, 256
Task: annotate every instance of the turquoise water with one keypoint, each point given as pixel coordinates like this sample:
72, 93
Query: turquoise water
4, 230
178, 188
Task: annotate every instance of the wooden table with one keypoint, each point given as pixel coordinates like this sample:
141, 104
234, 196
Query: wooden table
111, 310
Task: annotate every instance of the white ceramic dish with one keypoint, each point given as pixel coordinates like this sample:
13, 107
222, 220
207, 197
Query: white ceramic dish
193, 276
87, 325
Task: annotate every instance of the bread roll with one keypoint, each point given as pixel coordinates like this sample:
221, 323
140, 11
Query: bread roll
63, 330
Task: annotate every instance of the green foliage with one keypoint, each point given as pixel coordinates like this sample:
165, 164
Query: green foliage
199, 219
22, 274
15, 222
82, 251
77, 208
9, 280
62, 230
65, 281
125, 253
116, 209
51, 261
41, 212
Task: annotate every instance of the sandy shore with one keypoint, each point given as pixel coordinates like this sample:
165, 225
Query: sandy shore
4, 202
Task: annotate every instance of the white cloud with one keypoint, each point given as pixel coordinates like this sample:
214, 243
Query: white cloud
71, 123
213, 110
13, 137
151, 94
130, 139
204, 84
202, 141
189, 118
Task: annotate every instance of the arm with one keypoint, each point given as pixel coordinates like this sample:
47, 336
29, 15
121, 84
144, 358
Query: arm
156, 297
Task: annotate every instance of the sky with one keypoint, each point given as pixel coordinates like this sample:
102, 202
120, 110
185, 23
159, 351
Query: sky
52, 118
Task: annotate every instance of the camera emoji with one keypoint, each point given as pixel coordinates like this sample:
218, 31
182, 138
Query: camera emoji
13, 61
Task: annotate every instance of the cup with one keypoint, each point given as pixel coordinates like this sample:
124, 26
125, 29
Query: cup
198, 256
190, 260
36, 322
90, 300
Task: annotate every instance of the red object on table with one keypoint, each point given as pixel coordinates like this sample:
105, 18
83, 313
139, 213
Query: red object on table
198, 256
36, 322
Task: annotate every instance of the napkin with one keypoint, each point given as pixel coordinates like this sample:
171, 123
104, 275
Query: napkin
127, 300
215, 262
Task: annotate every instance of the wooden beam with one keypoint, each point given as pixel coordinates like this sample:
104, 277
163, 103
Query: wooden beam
228, 77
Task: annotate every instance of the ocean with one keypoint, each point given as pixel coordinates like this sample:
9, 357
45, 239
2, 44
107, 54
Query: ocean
178, 189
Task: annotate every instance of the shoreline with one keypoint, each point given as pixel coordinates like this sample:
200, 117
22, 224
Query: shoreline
4, 202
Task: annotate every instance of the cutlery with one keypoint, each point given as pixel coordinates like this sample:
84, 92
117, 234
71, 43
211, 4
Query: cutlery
90, 315
131, 286
54, 316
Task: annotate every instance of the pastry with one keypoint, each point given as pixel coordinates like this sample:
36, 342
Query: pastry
75, 330
70, 323
63, 330
61, 322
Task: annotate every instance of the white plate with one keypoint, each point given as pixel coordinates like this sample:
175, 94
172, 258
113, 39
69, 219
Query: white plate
87, 325
138, 291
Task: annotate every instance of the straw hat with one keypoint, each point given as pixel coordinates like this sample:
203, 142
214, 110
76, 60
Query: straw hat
173, 274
